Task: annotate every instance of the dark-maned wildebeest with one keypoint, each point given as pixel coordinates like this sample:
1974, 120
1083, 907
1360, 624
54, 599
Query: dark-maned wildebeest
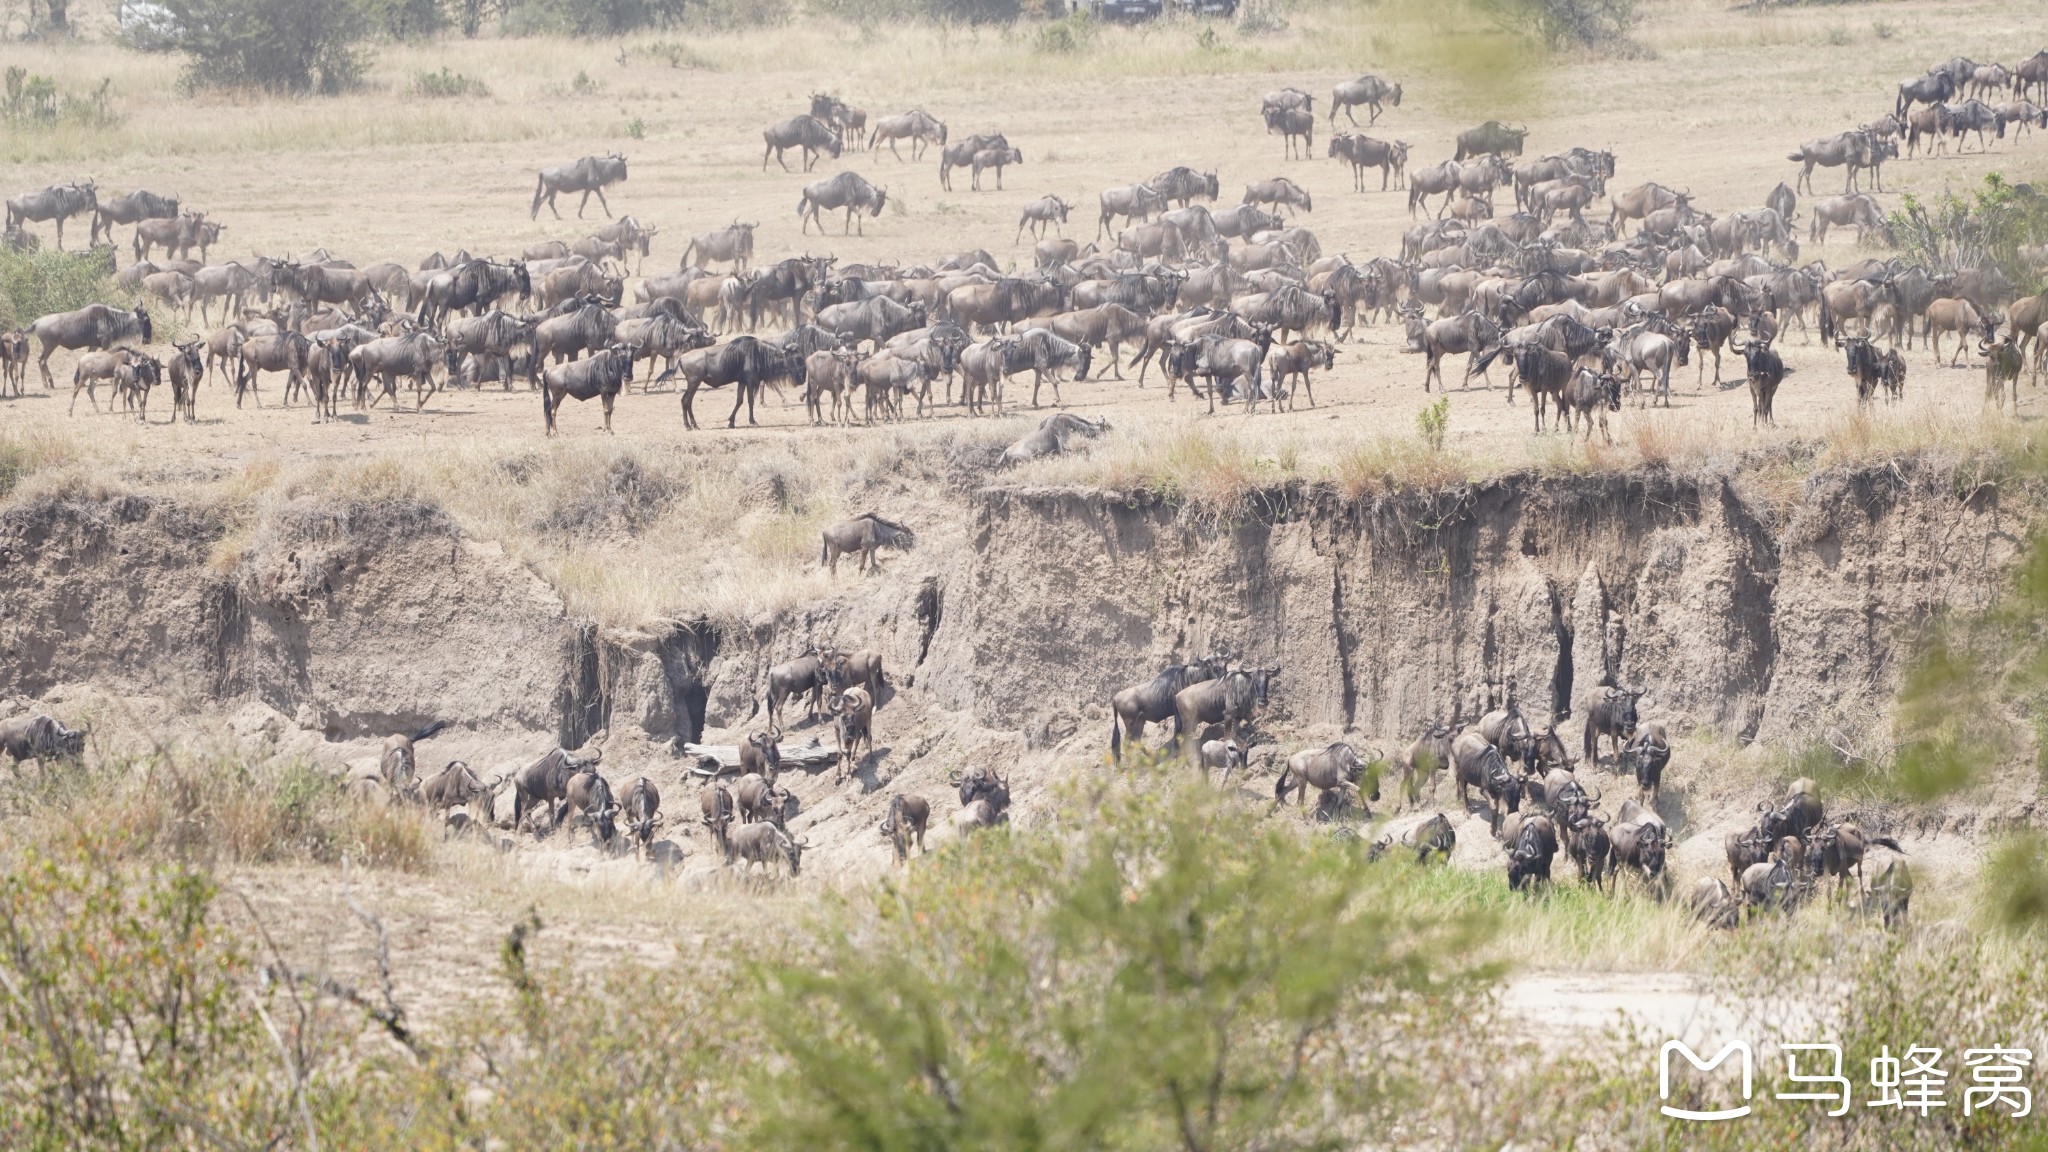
588, 799
186, 370
1470, 333
853, 728
1228, 700
1366, 92
734, 243
921, 128
1363, 152
601, 375
745, 362
1182, 185
1838, 849
767, 845
640, 804
476, 285
1293, 123
414, 355
94, 327
904, 825
864, 534
590, 175
58, 202
1491, 137
848, 190
1611, 713
1476, 763
1639, 841
1279, 192
1153, 701
546, 780
1933, 88
1588, 844
984, 805
1766, 370
1648, 752
133, 208
760, 800
1848, 150
1532, 847
490, 336
2002, 364
719, 810
40, 738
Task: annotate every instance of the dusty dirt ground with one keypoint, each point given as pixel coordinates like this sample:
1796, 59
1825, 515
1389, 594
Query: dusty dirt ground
1726, 96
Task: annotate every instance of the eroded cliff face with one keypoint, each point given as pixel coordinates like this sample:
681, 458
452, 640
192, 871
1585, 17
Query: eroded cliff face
1751, 612
1740, 614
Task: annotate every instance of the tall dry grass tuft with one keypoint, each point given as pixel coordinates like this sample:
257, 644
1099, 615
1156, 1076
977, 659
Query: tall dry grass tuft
1385, 464
25, 453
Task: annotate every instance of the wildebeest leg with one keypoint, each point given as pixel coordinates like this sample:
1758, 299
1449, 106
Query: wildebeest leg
607, 399
601, 203
43, 363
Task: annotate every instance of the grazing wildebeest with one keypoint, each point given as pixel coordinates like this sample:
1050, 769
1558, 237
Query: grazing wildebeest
1491, 137
767, 845
1279, 192
806, 673
734, 242
1294, 123
58, 202
1227, 700
601, 375
94, 327
905, 825
133, 208
1366, 92
848, 190
863, 534
1046, 211
40, 738
590, 175
1766, 370
1363, 152
918, 126
745, 362
1153, 701
1330, 768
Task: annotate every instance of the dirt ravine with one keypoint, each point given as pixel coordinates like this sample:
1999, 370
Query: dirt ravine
1745, 610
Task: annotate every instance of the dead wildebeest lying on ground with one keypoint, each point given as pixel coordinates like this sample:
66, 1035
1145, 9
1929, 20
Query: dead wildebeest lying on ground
864, 534
40, 738
1152, 701
905, 825
397, 764
1051, 437
768, 845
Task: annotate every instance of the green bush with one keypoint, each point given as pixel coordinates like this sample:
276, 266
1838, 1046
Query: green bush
288, 46
1986, 227
447, 83
36, 284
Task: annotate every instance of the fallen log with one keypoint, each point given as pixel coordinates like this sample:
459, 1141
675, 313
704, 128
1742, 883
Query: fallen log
724, 759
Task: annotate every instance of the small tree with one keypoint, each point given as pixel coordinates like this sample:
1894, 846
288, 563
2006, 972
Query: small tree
288, 46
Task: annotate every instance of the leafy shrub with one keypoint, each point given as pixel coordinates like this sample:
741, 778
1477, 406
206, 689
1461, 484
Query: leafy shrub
1433, 421
35, 284
1562, 24
1989, 226
1070, 36
36, 100
446, 83
288, 46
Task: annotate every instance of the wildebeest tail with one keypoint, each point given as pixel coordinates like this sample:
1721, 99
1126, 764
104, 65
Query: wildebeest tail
1116, 737
433, 728
1281, 785
540, 184
1827, 321
1888, 842
1486, 361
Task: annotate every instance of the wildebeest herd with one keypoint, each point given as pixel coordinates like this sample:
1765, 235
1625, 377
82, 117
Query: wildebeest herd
1242, 305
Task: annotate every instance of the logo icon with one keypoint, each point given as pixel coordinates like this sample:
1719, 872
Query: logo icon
1664, 1078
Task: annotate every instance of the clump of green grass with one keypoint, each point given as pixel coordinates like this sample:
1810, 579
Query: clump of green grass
446, 83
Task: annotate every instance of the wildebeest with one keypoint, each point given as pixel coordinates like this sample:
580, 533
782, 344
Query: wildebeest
1366, 92
848, 190
767, 845
734, 242
1051, 437
133, 208
587, 799
1227, 700
1182, 185
186, 370
1363, 152
1135, 203
905, 823
1153, 701
13, 358
1279, 192
546, 780
413, 355
1491, 137
1713, 903
719, 810
1470, 333
1610, 712
760, 801
1293, 123
1639, 840
1534, 845
1476, 763
95, 326
1766, 370
398, 763
590, 175
601, 375
918, 126
1588, 844
1044, 212
41, 738
1956, 316
1933, 88
996, 158
806, 673
745, 362
961, 154
1838, 849
2002, 364
1856, 209
58, 202
865, 534
985, 802
474, 284
1850, 150
1892, 892
853, 727
1648, 752
1335, 767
